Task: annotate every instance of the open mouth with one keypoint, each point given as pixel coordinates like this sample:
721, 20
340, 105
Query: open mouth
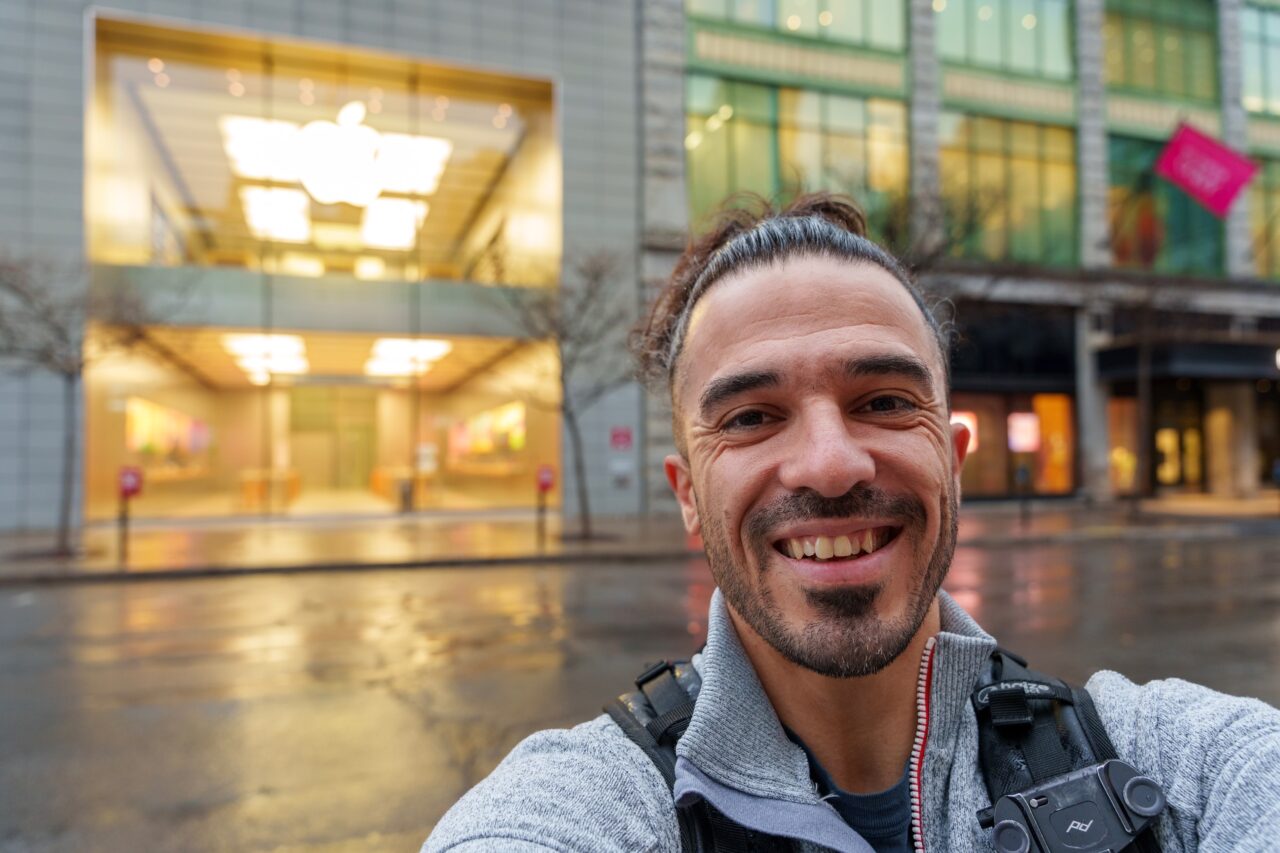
857, 543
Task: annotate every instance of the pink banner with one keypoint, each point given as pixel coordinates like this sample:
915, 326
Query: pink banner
1204, 168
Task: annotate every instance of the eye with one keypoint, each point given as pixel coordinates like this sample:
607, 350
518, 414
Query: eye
743, 420
889, 404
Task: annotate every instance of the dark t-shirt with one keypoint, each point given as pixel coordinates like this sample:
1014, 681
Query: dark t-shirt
883, 819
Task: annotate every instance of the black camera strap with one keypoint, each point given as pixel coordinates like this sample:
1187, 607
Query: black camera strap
1034, 728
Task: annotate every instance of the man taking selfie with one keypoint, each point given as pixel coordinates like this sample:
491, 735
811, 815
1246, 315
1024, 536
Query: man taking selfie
843, 701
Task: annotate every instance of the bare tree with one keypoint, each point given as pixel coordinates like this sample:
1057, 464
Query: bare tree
585, 318
44, 311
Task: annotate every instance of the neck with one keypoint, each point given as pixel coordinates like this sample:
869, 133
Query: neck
860, 729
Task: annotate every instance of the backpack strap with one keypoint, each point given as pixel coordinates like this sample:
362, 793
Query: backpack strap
1033, 728
654, 717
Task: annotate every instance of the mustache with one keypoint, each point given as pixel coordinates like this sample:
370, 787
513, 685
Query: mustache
862, 500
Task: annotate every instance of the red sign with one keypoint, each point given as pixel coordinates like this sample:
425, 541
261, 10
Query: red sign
1210, 172
620, 438
130, 481
546, 478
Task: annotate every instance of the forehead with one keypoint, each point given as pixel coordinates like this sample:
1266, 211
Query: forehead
801, 312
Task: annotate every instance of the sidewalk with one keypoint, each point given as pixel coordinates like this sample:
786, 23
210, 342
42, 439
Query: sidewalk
234, 546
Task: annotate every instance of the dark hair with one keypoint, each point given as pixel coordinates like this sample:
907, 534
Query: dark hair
749, 235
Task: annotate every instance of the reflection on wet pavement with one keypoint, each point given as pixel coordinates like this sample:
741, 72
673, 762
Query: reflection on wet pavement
347, 711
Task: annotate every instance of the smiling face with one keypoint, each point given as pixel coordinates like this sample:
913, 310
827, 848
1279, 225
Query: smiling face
820, 467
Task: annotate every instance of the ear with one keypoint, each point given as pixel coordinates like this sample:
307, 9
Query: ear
681, 480
959, 448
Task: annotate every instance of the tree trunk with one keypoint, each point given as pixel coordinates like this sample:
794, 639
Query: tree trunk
579, 471
70, 407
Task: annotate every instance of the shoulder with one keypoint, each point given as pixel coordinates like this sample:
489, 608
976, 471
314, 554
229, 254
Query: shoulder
1173, 711
1216, 756
588, 788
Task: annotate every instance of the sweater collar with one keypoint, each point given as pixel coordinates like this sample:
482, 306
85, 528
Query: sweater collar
736, 739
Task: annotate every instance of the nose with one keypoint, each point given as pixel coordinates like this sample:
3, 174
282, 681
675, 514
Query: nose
826, 454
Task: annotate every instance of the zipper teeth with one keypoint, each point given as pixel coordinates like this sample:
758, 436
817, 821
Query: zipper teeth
923, 681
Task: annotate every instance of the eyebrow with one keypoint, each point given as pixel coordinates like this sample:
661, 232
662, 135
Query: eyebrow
905, 366
727, 387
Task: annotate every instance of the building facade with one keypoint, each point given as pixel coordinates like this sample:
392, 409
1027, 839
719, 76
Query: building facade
1108, 326
299, 234
320, 216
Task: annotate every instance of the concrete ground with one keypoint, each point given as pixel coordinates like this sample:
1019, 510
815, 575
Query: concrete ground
347, 711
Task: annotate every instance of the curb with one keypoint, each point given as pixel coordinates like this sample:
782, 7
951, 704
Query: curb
58, 576
1216, 529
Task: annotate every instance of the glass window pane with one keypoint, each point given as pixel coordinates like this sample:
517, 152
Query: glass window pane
1272, 80
1114, 49
1253, 68
753, 11
704, 95
1055, 39
1058, 205
1142, 54
988, 34
1250, 22
1271, 24
753, 166
887, 23
951, 26
1024, 210
754, 103
990, 194
1058, 143
1202, 66
707, 158
1024, 139
848, 20
706, 8
988, 134
844, 167
798, 16
800, 107
845, 114
800, 160
1172, 63
1022, 25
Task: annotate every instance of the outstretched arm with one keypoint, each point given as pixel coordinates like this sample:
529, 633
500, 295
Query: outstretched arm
1216, 756
585, 789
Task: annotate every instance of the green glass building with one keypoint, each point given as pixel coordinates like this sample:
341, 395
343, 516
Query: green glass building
1114, 336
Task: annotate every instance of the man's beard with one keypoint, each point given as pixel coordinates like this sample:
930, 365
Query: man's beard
847, 639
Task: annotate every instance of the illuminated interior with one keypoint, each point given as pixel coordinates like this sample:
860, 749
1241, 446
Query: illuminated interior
1034, 433
344, 423
219, 150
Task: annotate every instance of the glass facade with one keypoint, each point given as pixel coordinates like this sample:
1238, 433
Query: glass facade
1260, 59
308, 162
1018, 36
1166, 48
1155, 225
879, 24
1265, 212
779, 142
328, 222
1009, 188
1018, 443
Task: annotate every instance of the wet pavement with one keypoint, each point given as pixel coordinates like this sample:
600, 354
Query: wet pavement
347, 711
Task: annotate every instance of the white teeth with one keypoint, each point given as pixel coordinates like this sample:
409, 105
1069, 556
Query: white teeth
808, 548
797, 548
843, 547
824, 548
868, 541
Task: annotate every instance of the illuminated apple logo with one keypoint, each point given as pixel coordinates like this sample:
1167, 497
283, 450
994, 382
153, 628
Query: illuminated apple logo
339, 162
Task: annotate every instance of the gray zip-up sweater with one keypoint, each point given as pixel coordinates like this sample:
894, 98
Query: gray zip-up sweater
590, 789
